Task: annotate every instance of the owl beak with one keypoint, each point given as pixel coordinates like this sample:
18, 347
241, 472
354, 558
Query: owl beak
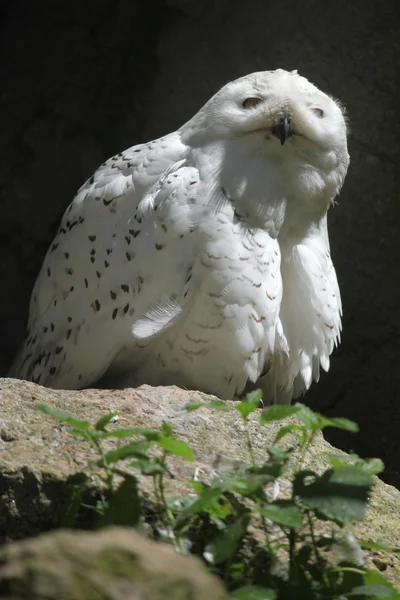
282, 129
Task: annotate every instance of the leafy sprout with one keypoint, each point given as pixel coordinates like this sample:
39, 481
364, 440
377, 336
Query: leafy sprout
228, 507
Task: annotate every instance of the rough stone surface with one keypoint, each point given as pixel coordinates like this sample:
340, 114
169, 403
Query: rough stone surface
94, 77
113, 564
39, 460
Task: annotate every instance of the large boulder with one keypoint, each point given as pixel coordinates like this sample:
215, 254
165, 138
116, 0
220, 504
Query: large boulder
112, 564
40, 461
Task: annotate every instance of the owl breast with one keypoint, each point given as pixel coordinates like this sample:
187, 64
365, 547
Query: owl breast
225, 331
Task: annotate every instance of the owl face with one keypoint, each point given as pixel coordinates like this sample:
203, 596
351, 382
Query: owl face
281, 115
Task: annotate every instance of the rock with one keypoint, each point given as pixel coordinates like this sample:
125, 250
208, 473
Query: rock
111, 564
70, 106
40, 461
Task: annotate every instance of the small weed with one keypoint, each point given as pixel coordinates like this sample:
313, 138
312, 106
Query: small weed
290, 559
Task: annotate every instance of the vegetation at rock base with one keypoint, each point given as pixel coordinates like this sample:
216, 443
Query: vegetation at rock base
284, 500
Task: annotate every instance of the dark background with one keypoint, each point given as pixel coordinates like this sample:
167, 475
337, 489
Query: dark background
81, 80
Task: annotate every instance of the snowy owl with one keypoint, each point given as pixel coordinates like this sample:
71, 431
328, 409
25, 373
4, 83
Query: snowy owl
201, 258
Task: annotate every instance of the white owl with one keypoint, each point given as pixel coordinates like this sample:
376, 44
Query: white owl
201, 259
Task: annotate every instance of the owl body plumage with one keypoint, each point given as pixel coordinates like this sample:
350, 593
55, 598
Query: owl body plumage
200, 259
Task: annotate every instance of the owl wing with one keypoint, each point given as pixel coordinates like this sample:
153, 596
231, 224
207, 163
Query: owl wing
107, 265
310, 314
100, 205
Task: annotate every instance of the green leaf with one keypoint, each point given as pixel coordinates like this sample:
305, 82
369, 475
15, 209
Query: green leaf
310, 418
63, 417
253, 592
218, 405
328, 542
167, 430
208, 496
245, 483
198, 486
378, 546
283, 512
341, 423
193, 405
176, 503
176, 447
268, 470
315, 421
342, 460
134, 450
124, 506
373, 466
377, 591
251, 402
278, 412
104, 421
275, 466
298, 430
220, 509
278, 454
236, 571
149, 434
225, 545
74, 503
148, 467
374, 578
339, 495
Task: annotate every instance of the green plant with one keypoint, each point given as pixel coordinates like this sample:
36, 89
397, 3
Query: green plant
291, 558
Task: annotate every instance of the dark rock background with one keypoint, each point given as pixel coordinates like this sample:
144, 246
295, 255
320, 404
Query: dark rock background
80, 81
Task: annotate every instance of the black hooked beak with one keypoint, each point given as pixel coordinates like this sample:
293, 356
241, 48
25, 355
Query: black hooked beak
282, 130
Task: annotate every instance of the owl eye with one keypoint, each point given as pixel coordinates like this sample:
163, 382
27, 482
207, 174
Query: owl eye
251, 102
318, 112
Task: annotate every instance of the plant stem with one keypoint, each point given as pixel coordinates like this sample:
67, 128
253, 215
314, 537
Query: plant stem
109, 474
250, 446
292, 549
304, 450
313, 540
177, 538
259, 502
349, 570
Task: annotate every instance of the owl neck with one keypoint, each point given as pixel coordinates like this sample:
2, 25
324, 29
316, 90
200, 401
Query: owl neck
284, 199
